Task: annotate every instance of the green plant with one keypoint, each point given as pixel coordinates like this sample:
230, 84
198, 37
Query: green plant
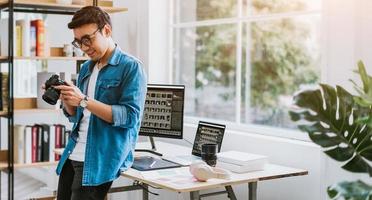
340, 123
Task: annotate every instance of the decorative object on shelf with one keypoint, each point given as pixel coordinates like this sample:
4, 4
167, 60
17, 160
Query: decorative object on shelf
77, 52
78, 2
64, 2
341, 123
67, 50
56, 51
106, 3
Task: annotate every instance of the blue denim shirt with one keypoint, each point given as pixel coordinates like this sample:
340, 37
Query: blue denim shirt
110, 146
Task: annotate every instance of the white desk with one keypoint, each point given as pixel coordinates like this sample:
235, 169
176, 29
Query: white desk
154, 178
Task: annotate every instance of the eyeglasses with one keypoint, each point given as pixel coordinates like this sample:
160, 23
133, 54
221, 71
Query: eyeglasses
85, 40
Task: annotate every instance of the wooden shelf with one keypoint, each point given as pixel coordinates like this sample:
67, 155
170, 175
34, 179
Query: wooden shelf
35, 110
37, 6
5, 58
29, 111
4, 165
50, 58
3, 113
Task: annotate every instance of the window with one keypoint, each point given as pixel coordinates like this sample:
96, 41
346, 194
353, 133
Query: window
242, 61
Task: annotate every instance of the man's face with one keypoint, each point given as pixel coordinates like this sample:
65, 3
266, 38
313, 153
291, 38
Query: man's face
98, 40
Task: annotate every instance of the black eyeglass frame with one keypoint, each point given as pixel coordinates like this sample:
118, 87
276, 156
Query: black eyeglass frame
86, 40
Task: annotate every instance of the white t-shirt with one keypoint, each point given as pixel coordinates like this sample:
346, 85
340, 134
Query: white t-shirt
78, 153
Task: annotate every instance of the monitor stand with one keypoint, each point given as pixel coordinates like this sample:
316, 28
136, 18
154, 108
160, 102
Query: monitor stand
152, 150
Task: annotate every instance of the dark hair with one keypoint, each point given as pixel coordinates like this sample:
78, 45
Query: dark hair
90, 15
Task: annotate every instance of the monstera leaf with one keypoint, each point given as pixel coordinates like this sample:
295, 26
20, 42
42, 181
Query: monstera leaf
356, 190
330, 116
365, 91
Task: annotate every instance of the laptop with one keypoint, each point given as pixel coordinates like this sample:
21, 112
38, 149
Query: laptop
206, 133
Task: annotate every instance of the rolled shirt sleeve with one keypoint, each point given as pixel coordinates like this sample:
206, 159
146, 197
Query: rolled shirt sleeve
128, 113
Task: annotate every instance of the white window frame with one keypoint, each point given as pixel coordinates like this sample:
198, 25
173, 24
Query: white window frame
240, 20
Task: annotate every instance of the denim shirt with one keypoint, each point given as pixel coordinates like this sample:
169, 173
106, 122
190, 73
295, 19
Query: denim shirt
110, 146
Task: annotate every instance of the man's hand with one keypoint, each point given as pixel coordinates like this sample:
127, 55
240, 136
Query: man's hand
70, 94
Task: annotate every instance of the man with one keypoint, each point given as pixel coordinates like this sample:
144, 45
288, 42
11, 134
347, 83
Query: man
106, 108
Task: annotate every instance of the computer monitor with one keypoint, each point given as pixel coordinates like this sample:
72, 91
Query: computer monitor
163, 112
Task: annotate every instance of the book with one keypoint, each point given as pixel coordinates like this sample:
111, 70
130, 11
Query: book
40, 36
39, 151
25, 26
28, 144
4, 91
34, 146
32, 40
58, 139
18, 39
52, 143
19, 144
45, 143
1, 92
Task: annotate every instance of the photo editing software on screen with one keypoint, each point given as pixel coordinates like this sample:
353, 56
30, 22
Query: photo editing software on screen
208, 133
163, 112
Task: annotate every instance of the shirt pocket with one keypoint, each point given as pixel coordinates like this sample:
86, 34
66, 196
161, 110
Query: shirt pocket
109, 91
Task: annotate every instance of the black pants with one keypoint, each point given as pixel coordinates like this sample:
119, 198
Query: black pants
70, 188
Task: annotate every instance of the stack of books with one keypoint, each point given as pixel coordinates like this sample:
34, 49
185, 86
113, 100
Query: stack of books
241, 162
35, 143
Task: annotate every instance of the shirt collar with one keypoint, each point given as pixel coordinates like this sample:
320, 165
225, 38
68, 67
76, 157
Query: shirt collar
115, 56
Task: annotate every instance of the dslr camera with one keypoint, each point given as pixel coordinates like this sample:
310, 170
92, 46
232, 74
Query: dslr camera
51, 94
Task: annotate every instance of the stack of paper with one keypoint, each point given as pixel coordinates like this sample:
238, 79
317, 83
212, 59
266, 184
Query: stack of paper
241, 162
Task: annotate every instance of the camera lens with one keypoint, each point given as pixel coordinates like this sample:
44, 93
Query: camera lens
209, 154
51, 96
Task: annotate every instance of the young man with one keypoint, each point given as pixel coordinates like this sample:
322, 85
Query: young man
106, 108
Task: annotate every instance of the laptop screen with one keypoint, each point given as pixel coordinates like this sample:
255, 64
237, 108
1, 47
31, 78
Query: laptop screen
208, 133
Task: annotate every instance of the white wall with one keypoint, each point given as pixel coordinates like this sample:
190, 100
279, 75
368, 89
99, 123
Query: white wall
143, 32
347, 27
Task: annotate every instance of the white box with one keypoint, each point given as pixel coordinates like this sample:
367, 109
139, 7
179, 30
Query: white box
255, 166
240, 158
241, 162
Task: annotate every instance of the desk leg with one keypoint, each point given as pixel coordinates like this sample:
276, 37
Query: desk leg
252, 191
145, 193
194, 195
230, 193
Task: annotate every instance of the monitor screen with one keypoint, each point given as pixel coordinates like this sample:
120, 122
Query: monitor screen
163, 112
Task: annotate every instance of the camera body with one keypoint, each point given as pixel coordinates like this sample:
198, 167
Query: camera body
51, 94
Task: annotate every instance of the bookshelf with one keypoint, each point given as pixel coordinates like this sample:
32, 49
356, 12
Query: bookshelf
29, 111
35, 110
49, 6
7, 164
4, 165
51, 58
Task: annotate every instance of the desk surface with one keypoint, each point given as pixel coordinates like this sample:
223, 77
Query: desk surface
180, 179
